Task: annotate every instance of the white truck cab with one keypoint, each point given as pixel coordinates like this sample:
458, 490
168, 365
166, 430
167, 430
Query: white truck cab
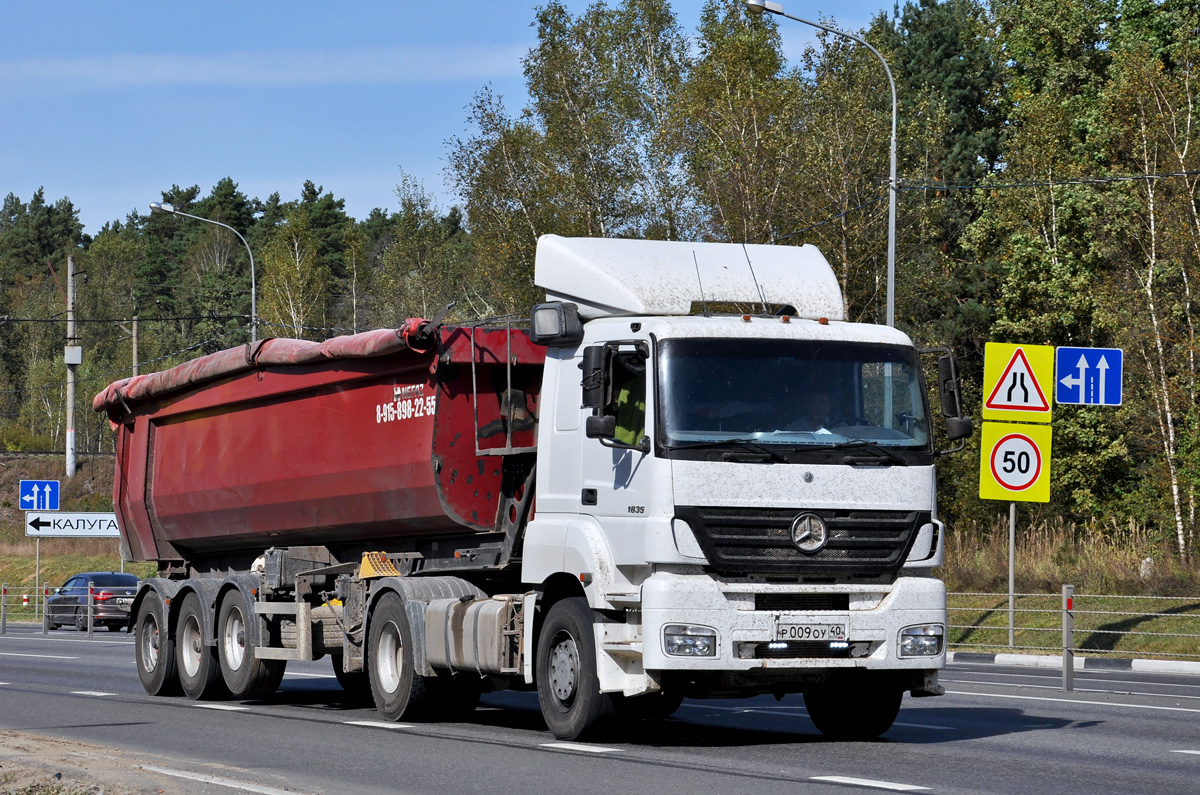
742, 481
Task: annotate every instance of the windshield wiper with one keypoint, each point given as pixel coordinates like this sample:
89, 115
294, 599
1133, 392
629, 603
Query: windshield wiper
748, 444
869, 447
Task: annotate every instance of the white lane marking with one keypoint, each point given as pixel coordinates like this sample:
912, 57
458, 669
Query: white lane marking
220, 782
96, 693
38, 656
1077, 690
290, 675
4, 683
925, 726
224, 707
867, 782
1196, 753
378, 724
99, 641
1075, 701
591, 749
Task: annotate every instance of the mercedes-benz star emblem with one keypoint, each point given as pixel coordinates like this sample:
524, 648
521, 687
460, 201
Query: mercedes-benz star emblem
809, 533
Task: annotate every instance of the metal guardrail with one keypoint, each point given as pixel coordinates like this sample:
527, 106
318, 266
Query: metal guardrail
35, 609
1170, 629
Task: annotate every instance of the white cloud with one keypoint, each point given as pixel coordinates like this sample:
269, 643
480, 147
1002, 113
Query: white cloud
284, 68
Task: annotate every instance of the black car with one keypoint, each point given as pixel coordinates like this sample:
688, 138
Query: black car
114, 593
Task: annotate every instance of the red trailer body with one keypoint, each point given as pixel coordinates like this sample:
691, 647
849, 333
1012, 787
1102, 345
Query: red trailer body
366, 439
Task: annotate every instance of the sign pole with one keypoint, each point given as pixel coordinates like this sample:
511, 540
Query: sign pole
1012, 556
37, 572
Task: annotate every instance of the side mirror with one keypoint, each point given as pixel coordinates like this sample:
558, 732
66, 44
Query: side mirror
948, 387
595, 377
959, 428
601, 427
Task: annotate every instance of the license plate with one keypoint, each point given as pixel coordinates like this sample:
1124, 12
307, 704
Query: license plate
787, 631
124, 602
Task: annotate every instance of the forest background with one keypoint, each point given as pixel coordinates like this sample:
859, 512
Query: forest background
1049, 194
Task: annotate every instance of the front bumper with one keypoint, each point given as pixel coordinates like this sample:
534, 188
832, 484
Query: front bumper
874, 620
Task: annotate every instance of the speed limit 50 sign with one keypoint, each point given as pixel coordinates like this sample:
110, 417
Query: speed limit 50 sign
1015, 462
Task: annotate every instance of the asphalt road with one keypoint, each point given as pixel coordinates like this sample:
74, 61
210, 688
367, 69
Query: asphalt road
998, 730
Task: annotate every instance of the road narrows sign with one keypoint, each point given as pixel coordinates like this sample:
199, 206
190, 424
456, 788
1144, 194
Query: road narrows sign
1015, 462
1013, 376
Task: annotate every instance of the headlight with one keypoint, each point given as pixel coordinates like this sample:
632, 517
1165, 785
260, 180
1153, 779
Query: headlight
923, 640
685, 640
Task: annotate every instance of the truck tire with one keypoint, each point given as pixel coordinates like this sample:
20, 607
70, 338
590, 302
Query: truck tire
567, 685
199, 672
853, 711
398, 690
244, 675
153, 649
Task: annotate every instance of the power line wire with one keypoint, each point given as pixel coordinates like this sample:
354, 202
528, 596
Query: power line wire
99, 376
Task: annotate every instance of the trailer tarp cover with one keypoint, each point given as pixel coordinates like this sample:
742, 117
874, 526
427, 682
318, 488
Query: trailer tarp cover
264, 353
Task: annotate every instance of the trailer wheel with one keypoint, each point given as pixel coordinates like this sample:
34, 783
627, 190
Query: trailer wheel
853, 710
567, 684
397, 688
199, 672
244, 674
153, 650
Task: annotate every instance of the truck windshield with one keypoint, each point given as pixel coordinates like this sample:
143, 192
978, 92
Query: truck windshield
802, 394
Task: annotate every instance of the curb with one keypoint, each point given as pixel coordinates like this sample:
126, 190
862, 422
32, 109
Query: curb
1081, 663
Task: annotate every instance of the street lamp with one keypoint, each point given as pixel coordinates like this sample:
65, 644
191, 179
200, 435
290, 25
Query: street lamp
164, 207
757, 7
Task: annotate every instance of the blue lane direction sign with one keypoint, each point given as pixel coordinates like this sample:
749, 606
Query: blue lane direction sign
1088, 376
39, 495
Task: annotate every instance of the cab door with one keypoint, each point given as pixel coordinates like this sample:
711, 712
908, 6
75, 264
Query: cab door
617, 473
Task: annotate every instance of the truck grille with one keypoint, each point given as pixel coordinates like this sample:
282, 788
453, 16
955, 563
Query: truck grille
862, 544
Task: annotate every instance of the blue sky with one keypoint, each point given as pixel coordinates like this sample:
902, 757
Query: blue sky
112, 103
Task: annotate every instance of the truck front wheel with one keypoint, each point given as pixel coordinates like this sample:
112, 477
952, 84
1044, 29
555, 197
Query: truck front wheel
153, 649
567, 684
855, 710
395, 684
244, 675
199, 672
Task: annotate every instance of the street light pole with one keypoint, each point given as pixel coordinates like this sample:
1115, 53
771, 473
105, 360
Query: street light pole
757, 7
164, 207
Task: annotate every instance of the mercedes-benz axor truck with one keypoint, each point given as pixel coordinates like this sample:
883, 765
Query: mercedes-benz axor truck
684, 475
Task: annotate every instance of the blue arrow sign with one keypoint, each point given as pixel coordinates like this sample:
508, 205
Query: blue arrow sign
39, 495
1088, 376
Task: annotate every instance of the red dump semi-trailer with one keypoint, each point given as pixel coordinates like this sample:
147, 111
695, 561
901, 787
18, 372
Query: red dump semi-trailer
697, 530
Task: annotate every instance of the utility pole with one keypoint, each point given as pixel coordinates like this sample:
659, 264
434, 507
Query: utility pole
132, 331
73, 356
